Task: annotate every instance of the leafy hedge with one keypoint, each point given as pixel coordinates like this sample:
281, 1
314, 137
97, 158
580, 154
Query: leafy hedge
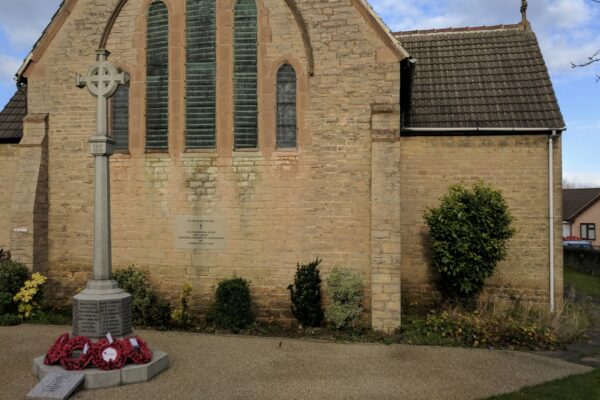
583, 260
12, 278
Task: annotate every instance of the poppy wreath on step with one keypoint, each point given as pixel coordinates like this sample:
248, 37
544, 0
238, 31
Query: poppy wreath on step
55, 351
74, 344
107, 356
140, 354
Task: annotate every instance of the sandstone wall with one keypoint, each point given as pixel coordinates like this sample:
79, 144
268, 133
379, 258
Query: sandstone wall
518, 166
281, 207
9, 165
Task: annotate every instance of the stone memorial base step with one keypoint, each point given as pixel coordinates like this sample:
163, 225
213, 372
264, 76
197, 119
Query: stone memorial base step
97, 379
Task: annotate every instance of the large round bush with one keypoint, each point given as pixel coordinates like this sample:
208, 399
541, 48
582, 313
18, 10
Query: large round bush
232, 307
469, 233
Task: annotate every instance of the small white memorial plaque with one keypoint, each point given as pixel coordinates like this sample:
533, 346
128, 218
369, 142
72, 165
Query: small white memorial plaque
56, 386
134, 342
200, 232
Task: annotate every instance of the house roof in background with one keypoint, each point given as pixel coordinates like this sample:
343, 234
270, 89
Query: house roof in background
576, 201
483, 77
11, 118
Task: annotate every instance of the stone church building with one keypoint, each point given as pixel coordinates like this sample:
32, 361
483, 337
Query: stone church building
256, 134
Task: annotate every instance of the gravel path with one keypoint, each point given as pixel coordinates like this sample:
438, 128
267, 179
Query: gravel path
234, 367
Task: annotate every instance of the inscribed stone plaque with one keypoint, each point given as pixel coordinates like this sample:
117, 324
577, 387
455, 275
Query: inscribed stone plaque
200, 233
56, 386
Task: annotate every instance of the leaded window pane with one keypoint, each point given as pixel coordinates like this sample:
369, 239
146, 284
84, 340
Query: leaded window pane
201, 74
157, 77
286, 107
120, 118
245, 75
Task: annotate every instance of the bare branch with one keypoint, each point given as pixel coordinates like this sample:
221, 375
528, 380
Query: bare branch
593, 59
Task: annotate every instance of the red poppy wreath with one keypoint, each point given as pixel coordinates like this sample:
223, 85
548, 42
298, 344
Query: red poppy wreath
107, 356
55, 351
139, 354
82, 344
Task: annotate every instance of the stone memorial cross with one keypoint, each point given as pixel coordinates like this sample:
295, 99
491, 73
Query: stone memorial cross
102, 81
102, 307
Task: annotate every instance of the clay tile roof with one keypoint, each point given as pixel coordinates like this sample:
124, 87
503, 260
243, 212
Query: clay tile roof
576, 201
11, 118
486, 77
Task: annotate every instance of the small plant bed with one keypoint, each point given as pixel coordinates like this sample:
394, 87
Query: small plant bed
511, 326
265, 329
516, 327
579, 387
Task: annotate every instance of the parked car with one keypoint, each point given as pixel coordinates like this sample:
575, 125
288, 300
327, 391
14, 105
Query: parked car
579, 244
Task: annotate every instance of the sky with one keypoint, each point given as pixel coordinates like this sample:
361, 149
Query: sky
568, 31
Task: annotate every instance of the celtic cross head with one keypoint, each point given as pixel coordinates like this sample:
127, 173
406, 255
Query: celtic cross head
103, 78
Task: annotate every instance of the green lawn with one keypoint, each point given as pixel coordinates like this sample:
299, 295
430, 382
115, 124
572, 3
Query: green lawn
583, 283
579, 387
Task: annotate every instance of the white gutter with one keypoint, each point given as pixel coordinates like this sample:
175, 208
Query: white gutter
459, 130
551, 214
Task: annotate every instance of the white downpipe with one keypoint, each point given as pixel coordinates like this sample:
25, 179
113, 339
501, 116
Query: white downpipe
551, 214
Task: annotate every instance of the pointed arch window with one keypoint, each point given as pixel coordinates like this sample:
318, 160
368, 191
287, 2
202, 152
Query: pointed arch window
201, 74
157, 77
245, 75
119, 121
286, 107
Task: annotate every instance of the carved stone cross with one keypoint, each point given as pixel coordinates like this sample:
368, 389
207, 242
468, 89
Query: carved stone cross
102, 80
102, 307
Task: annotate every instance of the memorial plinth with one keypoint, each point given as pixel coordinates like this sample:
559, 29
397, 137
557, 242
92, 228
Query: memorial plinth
100, 309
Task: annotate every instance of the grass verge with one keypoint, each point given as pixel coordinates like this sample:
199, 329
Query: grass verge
583, 283
579, 387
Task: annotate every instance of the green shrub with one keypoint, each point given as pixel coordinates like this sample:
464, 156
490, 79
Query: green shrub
146, 308
9, 320
12, 278
29, 298
232, 307
180, 316
345, 290
306, 294
469, 232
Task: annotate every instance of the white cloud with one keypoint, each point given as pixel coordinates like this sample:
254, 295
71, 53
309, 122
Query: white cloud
23, 21
583, 179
